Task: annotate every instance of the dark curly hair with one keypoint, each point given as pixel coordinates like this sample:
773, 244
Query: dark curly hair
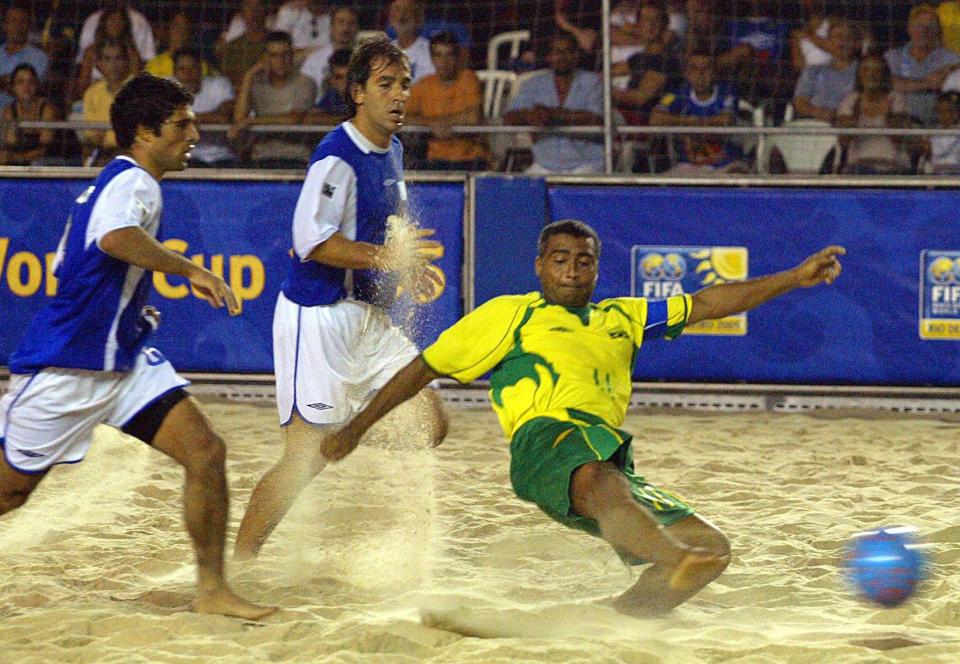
363, 59
145, 101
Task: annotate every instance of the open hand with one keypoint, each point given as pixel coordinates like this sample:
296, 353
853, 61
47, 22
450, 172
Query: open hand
822, 267
214, 290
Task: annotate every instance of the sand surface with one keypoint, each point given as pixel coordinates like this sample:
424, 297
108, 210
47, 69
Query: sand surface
97, 566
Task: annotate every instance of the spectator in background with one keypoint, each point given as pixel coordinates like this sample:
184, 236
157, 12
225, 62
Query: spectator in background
142, 33
874, 103
17, 50
822, 88
212, 103
343, 35
764, 75
332, 107
637, 27
920, 67
449, 97
274, 92
308, 22
179, 31
949, 13
563, 95
22, 147
113, 60
810, 44
701, 102
238, 55
943, 152
652, 66
587, 37
114, 26
238, 22
405, 17
704, 34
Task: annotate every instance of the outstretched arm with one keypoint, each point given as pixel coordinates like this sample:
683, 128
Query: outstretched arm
405, 384
722, 300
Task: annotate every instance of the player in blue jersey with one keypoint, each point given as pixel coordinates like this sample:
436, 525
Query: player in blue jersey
333, 342
83, 361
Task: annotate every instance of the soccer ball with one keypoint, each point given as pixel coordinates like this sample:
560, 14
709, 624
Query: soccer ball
885, 565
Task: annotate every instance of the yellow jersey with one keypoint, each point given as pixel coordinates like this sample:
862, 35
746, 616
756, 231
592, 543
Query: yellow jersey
548, 359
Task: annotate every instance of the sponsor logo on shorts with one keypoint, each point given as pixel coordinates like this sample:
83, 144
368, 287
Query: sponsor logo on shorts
940, 294
389, 182
29, 453
154, 357
658, 272
320, 406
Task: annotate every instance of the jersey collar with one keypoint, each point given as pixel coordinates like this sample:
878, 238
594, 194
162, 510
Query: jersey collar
362, 142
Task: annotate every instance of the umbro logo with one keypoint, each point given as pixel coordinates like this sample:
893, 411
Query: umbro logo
30, 453
320, 406
389, 182
619, 334
560, 329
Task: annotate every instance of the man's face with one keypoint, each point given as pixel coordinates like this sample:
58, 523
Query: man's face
568, 270
382, 99
338, 79
279, 59
178, 135
563, 56
16, 26
343, 28
924, 29
404, 16
189, 72
446, 60
24, 85
112, 63
700, 74
651, 23
843, 41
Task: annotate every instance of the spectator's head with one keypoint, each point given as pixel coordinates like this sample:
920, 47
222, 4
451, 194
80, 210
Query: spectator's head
873, 75
343, 27
701, 16
700, 73
179, 28
445, 53
279, 55
153, 114
114, 24
337, 66
376, 68
564, 54
651, 21
405, 17
254, 13
844, 39
113, 60
188, 69
948, 108
16, 24
24, 82
923, 26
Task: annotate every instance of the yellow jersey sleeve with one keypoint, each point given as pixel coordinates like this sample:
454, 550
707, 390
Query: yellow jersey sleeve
650, 319
480, 340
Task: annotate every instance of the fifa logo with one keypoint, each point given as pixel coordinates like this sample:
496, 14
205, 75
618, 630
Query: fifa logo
939, 294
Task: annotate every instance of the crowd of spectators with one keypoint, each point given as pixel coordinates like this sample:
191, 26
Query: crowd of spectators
689, 63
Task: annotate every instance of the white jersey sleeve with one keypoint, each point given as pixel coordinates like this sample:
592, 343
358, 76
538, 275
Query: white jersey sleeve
327, 204
132, 198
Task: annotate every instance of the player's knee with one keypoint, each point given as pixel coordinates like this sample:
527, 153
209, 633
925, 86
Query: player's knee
595, 484
208, 452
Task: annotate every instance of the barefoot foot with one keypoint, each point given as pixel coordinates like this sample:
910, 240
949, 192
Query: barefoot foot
225, 603
695, 570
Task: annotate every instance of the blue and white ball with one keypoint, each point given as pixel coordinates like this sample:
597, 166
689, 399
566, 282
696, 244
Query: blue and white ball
886, 565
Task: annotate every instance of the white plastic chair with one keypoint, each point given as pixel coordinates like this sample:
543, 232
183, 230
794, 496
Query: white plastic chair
514, 38
804, 153
497, 85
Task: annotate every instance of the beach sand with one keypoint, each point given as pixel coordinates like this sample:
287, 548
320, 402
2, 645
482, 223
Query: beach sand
97, 566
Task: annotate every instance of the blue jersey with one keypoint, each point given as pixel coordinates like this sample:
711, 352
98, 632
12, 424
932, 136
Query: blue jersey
351, 187
94, 321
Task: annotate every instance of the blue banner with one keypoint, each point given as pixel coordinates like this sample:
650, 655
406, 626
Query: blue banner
240, 230
862, 330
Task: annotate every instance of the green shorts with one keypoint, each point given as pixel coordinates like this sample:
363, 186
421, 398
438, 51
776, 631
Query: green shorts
545, 452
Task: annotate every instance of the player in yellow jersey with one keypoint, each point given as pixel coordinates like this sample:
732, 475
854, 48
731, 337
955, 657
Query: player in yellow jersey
561, 384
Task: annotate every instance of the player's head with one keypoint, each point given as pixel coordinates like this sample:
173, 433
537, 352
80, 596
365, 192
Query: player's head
567, 264
378, 86
152, 118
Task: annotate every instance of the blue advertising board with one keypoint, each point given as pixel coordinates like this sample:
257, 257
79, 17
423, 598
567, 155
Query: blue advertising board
240, 230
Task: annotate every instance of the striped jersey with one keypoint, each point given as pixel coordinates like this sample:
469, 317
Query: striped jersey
94, 320
548, 360
352, 186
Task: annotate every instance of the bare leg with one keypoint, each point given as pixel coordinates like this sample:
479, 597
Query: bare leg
187, 437
276, 492
685, 557
15, 487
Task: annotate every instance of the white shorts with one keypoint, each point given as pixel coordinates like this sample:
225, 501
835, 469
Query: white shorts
48, 417
330, 360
